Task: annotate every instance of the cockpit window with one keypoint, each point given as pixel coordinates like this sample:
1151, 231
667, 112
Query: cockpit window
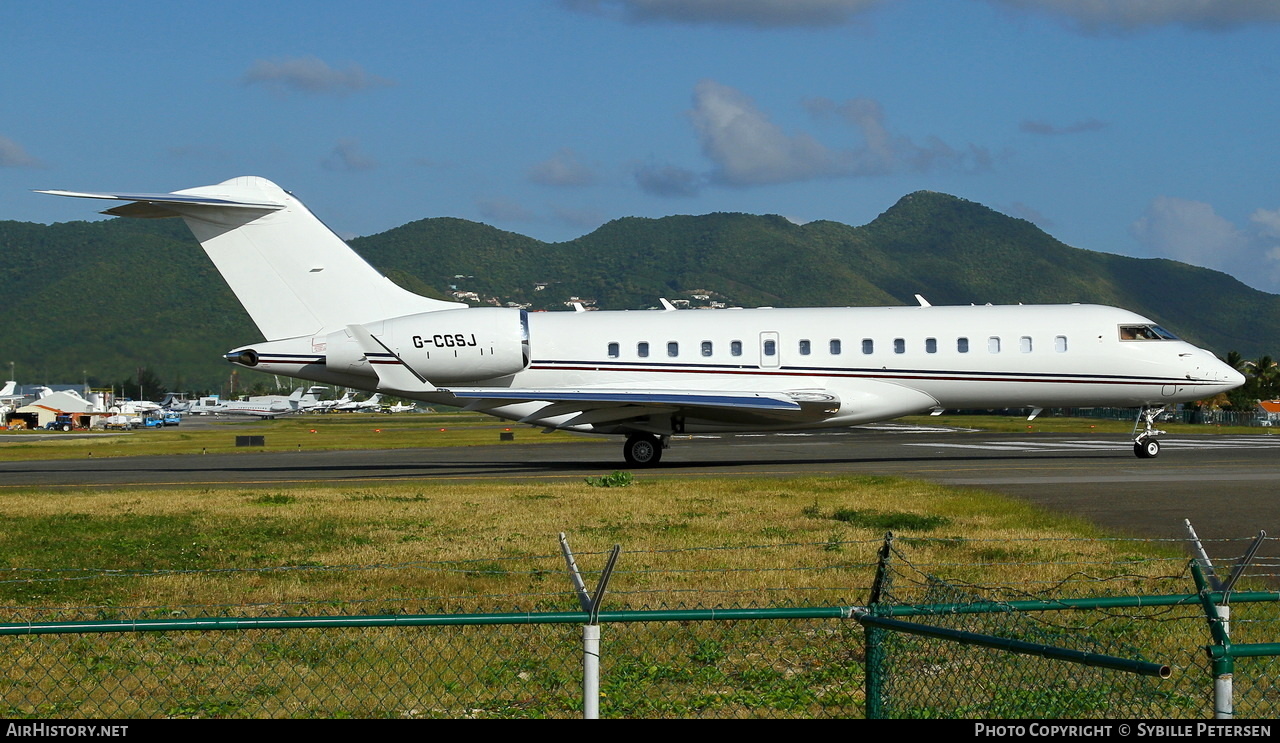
1145, 333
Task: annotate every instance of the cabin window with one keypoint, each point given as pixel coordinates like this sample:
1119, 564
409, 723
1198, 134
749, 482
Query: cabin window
706, 348
805, 347
642, 349
899, 345
962, 345
930, 345
673, 348
868, 346
770, 348
835, 347
735, 348
1024, 344
614, 350
993, 344
1145, 333
1060, 344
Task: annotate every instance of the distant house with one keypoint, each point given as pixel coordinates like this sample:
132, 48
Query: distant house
1269, 412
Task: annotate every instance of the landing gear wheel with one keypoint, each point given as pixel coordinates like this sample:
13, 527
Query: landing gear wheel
1146, 448
642, 450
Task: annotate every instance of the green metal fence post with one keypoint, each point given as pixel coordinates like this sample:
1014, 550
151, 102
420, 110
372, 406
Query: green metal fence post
1223, 662
874, 655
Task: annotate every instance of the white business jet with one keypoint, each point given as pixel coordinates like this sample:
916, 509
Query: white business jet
328, 316
373, 404
267, 406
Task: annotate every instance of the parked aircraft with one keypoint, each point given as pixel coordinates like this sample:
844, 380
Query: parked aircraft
400, 408
9, 399
373, 403
329, 316
174, 402
328, 406
263, 407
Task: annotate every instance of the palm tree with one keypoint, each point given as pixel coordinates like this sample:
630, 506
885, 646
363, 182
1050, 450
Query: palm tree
1265, 373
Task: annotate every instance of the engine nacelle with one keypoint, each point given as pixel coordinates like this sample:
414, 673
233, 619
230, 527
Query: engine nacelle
444, 347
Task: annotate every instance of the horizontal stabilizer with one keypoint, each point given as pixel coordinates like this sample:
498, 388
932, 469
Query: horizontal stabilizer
171, 198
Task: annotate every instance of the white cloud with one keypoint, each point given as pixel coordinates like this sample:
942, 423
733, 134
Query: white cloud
1193, 232
1268, 222
748, 149
884, 152
347, 156
1130, 15
667, 181
751, 13
12, 155
310, 75
563, 169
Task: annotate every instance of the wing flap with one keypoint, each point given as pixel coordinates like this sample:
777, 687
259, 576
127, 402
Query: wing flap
595, 398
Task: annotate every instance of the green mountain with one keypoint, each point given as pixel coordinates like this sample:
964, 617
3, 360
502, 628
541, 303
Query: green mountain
104, 299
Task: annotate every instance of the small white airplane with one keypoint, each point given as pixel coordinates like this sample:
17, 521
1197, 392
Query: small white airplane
328, 406
330, 317
399, 408
175, 403
373, 403
264, 407
9, 398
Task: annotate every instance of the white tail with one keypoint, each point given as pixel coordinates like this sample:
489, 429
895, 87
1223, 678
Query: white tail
293, 275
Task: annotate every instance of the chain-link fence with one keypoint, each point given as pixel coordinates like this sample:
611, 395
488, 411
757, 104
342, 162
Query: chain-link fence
1118, 620
763, 653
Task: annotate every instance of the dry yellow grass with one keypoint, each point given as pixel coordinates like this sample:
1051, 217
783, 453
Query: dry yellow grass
806, 540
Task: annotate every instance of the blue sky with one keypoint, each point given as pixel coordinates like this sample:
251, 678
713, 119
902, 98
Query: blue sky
1139, 127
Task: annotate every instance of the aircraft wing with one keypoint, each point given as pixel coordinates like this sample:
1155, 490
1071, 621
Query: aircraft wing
589, 397
630, 408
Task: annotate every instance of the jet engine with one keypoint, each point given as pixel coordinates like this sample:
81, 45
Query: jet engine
444, 347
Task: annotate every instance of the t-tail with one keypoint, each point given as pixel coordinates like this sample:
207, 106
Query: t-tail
293, 275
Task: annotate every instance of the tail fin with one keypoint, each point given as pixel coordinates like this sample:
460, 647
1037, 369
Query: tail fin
9, 388
293, 275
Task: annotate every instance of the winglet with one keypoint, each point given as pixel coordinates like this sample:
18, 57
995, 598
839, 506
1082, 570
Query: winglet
393, 374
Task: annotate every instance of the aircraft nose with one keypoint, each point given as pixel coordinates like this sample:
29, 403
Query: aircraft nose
1228, 377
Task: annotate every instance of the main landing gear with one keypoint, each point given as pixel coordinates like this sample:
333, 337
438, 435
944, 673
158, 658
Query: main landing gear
643, 449
1145, 444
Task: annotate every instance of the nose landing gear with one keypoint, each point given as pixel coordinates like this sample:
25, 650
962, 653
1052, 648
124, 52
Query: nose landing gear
1145, 444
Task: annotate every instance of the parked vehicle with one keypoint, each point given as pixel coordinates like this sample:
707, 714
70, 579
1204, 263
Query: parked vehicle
61, 423
119, 422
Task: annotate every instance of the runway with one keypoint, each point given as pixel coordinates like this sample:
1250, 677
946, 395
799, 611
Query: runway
1229, 486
